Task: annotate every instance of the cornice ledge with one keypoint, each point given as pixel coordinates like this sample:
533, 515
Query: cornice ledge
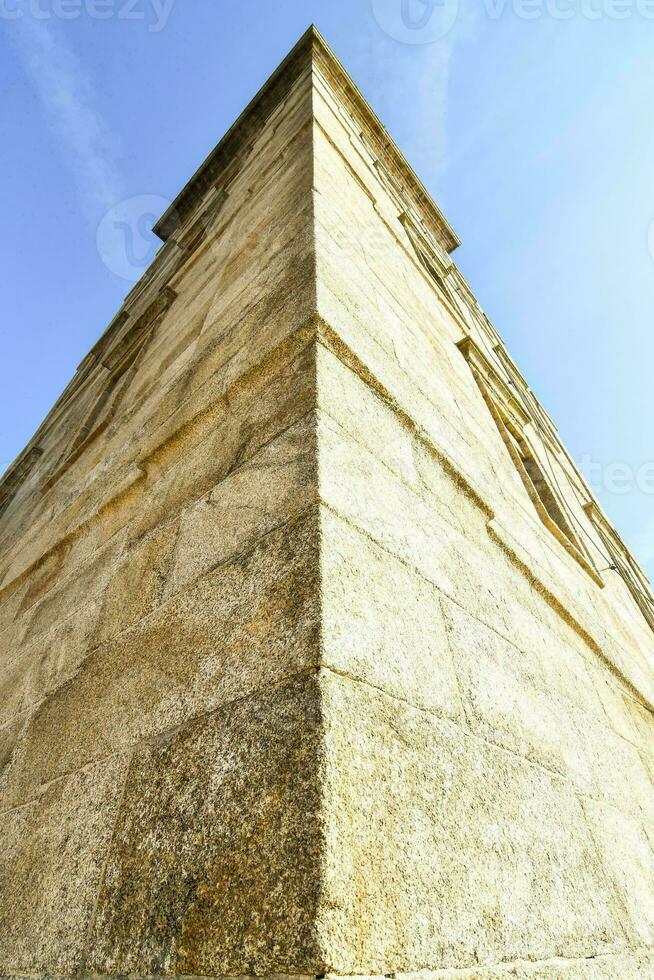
482, 366
239, 136
382, 143
641, 689
311, 52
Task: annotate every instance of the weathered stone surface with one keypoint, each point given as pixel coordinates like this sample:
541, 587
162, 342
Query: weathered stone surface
30, 672
215, 866
219, 427
629, 865
378, 616
137, 583
361, 489
277, 484
631, 966
444, 849
250, 623
76, 585
10, 736
52, 853
508, 702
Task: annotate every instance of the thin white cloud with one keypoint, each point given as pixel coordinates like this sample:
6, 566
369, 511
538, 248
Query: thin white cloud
430, 76
410, 82
408, 86
67, 95
429, 97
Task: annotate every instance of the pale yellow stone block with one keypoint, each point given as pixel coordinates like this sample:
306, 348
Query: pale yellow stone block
446, 850
627, 855
382, 622
278, 483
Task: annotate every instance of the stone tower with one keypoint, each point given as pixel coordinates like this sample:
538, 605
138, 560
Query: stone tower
318, 654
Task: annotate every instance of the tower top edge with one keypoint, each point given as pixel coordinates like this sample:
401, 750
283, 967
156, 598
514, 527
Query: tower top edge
311, 50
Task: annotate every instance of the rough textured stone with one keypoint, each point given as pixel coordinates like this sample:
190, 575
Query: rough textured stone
629, 864
444, 849
137, 583
214, 868
378, 615
508, 702
278, 483
52, 853
632, 966
249, 624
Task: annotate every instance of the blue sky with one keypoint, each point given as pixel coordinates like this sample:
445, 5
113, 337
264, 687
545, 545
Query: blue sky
530, 121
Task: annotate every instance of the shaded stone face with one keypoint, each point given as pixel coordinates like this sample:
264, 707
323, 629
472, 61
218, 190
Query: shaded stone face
213, 862
300, 675
51, 865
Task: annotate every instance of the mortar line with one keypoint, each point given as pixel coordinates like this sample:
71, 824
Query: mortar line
345, 354
414, 569
166, 734
73, 534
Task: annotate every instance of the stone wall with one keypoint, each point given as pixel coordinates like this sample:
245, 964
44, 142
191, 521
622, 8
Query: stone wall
156, 803
489, 740
299, 677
